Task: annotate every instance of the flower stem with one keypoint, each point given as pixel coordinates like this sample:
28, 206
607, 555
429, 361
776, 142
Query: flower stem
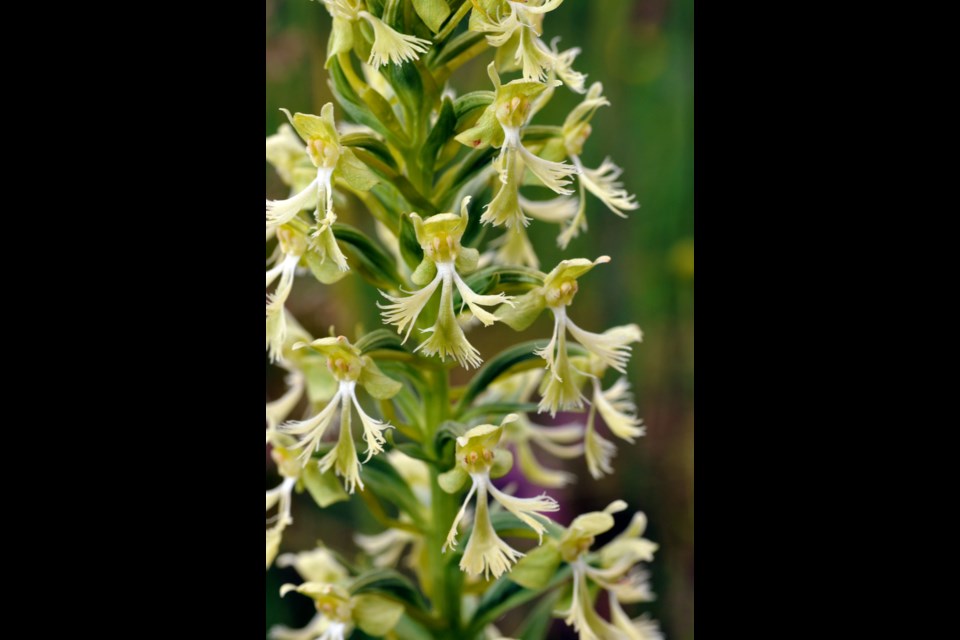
446, 583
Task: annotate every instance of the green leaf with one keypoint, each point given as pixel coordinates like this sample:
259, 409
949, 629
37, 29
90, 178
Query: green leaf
366, 256
408, 85
409, 629
505, 595
489, 412
535, 569
375, 614
495, 367
414, 451
450, 431
324, 488
379, 339
385, 483
454, 47
442, 131
371, 144
538, 621
351, 102
466, 104
390, 583
432, 12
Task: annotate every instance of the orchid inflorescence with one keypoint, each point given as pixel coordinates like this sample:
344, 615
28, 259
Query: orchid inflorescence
424, 174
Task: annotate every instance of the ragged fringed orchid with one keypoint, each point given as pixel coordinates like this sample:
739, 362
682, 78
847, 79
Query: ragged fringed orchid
444, 260
350, 368
561, 387
615, 405
500, 126
602, 181
429, 192
614, 568
333, 162
478, 459
340, 609
514, 28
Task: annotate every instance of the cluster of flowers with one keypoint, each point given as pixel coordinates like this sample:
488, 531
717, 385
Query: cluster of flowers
415, 256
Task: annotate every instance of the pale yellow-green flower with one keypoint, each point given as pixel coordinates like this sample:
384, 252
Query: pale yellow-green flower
561, 389
332, 161
500, 126
614, 569
602, 181
615, 405
341, 612
292, 246
288, 155
444, 259
350, 368
477, 458
280, 496
515, 28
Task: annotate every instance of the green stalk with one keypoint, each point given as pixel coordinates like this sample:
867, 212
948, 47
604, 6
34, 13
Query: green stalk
446, 585
453, 21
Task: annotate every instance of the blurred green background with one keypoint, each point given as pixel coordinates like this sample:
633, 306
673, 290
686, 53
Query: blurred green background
642, 52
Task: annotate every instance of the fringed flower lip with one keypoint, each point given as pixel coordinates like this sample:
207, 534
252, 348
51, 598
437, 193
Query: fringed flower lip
444, 260
500, 125
614, 568
477, 459
517, 31
391, 46
561, 388
333, 162
602, 182
350, 368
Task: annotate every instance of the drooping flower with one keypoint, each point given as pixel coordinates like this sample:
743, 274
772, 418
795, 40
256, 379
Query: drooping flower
444, 260
280, 496
292, 245
478, 458
350, 368
339, 613
389, 45
561, 389
316, 566
602, 181
616, 407
515, 27
500, 126
614, 568
333, 162
288, 155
